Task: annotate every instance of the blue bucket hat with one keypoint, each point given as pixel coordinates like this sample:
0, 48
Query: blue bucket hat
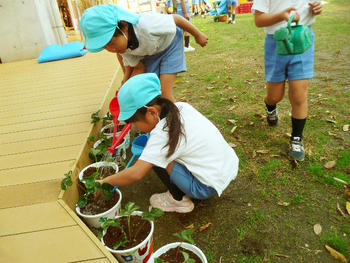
136, 93
98, 24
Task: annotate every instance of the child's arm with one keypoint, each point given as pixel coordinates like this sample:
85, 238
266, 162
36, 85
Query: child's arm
130, 175
138, 69
264, 19
181, 22
183, 4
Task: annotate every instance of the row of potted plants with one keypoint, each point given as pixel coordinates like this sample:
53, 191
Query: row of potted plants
127, 233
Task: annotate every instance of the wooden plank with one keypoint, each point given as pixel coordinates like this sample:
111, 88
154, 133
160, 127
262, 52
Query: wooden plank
45, 123
39, 158
59, 245
35, 174
35, 145
101, 260
32, 218
28, 194
64, 112
23, 136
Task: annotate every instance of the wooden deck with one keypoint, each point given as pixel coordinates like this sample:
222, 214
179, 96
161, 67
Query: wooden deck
44, 124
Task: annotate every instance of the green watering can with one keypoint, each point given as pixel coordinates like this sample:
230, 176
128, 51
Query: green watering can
292, 40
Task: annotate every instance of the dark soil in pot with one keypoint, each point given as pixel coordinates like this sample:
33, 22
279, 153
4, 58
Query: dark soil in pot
140, 229
99, 204
104, 171
111, 129
174, 255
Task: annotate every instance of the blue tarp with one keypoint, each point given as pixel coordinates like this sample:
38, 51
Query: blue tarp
221, 8
57, 52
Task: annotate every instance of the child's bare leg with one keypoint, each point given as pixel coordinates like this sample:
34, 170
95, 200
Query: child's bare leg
275, 92
167, 82
298, 98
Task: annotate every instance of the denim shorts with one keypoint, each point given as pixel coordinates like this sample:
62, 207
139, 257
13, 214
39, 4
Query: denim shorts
171, 60
292, 67
181, 12
231, 3
190, 185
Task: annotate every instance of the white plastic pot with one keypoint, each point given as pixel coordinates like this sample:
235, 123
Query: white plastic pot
185, 245
93, 220
137, 254
126, 138
98, 165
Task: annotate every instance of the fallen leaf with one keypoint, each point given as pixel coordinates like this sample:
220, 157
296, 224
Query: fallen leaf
209, 88
346, 127
331, 121
337, 255
281, 255
204, 227
262, 151
251, 123
294, 164
233, 129
309, 152
348, 207
232, 108
232, 145
347, 192
329, 164
260, 116
189, 226
202, 97
288, 135
275, 155
339, 210
282, 203
317, 229
231, 121
322, 158
340, 180
254, 153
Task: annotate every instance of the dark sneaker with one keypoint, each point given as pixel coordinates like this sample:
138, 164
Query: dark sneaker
272, 117
296, 148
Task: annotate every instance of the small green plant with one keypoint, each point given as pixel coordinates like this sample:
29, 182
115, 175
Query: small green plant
93, 138
92, 187
337, 242
94, 117
67, 181
100, 152
108, 117
128, 234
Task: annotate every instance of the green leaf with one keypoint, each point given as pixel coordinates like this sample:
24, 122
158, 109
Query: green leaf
158, 260
120, 243
152, 214
186, 235
93, 138
107, 190
110, 222
67, 181
82, 201
94, 117
130, 207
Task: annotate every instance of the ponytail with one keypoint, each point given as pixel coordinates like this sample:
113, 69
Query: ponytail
171, 113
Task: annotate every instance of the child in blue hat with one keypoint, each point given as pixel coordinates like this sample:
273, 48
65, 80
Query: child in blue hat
187, 152
297, 69
147, 42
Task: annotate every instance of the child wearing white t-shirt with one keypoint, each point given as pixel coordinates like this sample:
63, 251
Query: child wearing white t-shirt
298, 69
146, 42
186, 150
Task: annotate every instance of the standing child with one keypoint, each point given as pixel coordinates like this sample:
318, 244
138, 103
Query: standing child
183, 10
298, 69
143, 42
231, 11
186, 150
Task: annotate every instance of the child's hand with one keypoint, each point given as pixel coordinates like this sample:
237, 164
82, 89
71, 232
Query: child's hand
288, 12
316, 7
201, 39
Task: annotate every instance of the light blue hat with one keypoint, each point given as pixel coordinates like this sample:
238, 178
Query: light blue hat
98, 24
136, 93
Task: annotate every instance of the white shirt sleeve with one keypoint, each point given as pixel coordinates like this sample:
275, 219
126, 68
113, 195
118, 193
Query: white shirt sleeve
130, 60
261, 5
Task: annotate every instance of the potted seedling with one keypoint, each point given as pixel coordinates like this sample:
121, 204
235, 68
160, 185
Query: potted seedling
108, 130
107, 118
130, 236
94, 117
92, 206
179, 251
99, 150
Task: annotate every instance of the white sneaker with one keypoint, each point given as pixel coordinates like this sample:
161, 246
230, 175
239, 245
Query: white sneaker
189, 48
229, 20
234, 22
167, 203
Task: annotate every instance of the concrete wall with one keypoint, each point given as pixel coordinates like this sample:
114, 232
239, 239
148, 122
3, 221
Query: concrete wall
27, 26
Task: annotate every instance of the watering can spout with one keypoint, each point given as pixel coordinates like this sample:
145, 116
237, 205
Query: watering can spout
121, 136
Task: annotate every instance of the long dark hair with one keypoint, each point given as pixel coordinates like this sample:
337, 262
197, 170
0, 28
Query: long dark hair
171, 113
133, 42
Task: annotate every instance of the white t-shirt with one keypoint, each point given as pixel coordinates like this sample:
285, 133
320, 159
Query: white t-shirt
275, 6
155, 32
204, 151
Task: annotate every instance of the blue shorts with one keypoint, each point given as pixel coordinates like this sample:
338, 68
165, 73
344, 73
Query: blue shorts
169, 61
181, 12
195, 2
292, 67
189, 184
231, 3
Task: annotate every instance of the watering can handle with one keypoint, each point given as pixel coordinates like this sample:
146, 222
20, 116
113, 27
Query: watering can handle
125, 130
290, 20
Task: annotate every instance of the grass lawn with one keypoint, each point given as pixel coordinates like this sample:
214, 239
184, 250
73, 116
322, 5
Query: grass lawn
268, 213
